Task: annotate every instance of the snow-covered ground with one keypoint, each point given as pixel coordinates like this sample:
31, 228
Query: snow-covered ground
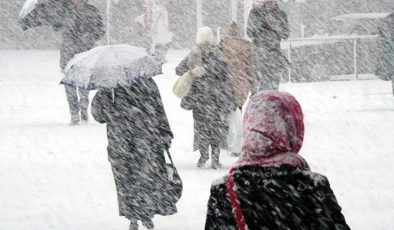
53, 176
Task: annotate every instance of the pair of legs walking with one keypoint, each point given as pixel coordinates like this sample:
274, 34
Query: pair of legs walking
78, 101
204, 151
148, 224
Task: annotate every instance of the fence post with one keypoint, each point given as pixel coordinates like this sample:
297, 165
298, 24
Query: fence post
289, 61
355, 59
219, 34
199, 13
108, 21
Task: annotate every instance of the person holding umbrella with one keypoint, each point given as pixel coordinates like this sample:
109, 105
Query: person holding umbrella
129, 103
81, 28
137, 126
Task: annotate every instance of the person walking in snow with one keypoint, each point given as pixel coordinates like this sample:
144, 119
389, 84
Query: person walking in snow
267, 26
138, 133
154, 25
81, 28
238, 52
210, 96
272, 186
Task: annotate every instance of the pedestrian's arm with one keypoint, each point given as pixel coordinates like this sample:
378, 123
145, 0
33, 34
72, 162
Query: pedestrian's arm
190, 100
283, 26
227, 100
100, 108
285, 33
183, 67
251, 71
252, 25
164, 126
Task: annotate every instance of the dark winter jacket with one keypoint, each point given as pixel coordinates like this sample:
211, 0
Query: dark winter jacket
137, 130
276, 198
267, 26
210, 97
80, 29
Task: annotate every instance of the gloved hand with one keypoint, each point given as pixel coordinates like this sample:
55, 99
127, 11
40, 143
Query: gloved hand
198, 72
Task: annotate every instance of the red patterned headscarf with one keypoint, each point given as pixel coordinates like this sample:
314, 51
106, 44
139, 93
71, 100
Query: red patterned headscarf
273, 129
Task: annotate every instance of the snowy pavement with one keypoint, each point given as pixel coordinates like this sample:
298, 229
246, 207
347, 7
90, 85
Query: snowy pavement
53, 176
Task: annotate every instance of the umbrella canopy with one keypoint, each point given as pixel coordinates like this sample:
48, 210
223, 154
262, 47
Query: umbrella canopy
41, 13
109, 67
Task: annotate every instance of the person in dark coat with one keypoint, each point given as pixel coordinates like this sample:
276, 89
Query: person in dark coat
267, 26
138, 133
271, 186
210, 97
81, 27
385, 62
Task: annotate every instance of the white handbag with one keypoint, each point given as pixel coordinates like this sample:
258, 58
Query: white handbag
182, 85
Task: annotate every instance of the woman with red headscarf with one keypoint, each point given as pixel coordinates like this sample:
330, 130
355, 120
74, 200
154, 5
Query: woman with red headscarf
271, 186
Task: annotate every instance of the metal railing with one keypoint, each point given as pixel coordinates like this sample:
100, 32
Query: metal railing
292, 43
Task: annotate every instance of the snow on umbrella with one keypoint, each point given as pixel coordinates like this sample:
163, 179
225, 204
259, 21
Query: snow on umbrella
40, 13
109, 67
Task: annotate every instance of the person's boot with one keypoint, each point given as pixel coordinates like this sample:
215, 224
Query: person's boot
74, 120
202, 161
204, 156
215, 160
216, 164
148, 223
133, 225
84, 116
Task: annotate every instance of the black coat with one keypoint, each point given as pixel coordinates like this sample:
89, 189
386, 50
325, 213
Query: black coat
267, 26
211, 99
137, 130
276, 198
80, 29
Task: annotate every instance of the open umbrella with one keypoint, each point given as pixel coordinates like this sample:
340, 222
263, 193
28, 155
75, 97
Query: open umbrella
36, 13
109, 67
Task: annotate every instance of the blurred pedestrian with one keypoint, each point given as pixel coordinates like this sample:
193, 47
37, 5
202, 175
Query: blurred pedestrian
81, 28
154, 26
271, 186
138, 133
238, 52
210, 96
267, 26
385, 60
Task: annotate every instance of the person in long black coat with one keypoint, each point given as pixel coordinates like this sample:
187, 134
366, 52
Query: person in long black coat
81, 26
138, 133
267, 26
210, 98
271, 186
